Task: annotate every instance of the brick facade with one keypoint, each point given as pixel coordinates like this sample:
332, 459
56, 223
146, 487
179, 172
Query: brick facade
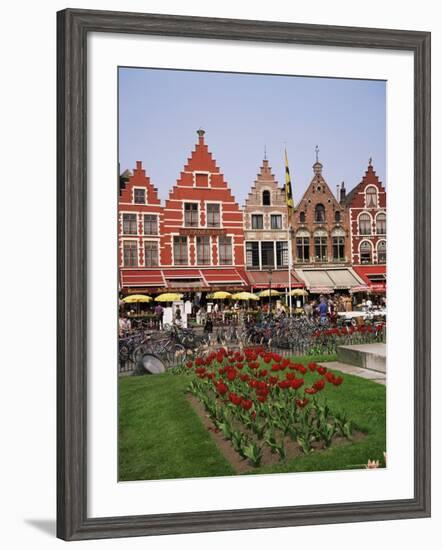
320, 224
367, 212
265, 223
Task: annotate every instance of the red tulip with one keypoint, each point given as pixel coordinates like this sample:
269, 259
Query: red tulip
311, 391
235, 398
319, 385
321, 370
231, 375
338, 381
302, 402
246, 404
221, 388
189, 364
296, 383
312, 366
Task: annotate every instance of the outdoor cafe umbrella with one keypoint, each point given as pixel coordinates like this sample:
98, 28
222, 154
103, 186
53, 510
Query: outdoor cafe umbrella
299, 292
219, 295
137, 299
268, 292
169, 297
245, 296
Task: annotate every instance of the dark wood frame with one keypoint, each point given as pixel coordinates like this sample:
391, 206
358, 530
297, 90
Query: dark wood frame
73, 28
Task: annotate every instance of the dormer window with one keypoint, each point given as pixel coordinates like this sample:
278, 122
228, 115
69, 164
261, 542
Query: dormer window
266, 198
371, 197
140, 196
302, 217
319, 213
337, 216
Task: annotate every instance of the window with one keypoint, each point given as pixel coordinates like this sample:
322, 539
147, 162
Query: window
303, 249
213, 215
320, 249
140, 196
302, 217
130, 254
191, 214
150, 224
338, 249
225, 250
257, 221
319, 213
151, 253
365, 251
276, 221
371, 197
337, 216
252, 254
266, 198
180, 250
129, 224
382, 252
381, 224
365, 224
267, 254
282, 254
203, 250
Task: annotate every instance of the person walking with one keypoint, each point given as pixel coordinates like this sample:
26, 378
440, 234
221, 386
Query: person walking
159, 313
323, 309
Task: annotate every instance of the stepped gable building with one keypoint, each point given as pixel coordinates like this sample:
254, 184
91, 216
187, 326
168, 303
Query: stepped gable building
266, 232
366, 204
321, 244
202, 243
139, 228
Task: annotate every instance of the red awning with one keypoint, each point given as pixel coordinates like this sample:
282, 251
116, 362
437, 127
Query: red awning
280, 279
141, 278
224, 276
373, 275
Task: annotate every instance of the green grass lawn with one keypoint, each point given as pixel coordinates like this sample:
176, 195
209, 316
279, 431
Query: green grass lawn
161, 436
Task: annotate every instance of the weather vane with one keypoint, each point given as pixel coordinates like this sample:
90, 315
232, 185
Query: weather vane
317, 153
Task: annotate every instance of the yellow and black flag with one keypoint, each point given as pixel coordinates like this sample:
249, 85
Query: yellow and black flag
288, 186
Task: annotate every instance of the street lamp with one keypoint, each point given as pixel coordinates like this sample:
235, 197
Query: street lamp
270, 271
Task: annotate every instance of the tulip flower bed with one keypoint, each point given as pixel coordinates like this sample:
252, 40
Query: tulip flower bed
268, 407
327, 340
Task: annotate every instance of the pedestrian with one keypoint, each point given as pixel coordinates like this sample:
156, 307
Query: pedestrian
323, 309
177, 318
208, 327
159, 313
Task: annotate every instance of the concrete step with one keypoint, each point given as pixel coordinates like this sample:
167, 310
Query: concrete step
366, 356
372, 375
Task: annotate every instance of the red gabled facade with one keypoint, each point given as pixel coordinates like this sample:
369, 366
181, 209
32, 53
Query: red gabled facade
367, 204
203, 225
139, 228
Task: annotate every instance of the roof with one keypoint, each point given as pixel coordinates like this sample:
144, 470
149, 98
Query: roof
280, 279
331, 279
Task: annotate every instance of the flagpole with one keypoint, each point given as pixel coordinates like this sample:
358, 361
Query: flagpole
290, 204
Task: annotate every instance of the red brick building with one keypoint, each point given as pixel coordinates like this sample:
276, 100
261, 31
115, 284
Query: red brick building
202, 245
367, 204
139, 228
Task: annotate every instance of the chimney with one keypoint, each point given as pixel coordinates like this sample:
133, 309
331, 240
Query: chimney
342, 192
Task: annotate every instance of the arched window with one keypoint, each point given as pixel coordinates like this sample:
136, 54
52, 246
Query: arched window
371, 197
302, 217
266, 198
319, 213
365, 224
381, 224
382, 252
337, 216
365, 252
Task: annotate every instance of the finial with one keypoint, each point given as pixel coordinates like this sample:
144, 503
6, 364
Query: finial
265, 152
317, 153
370, 160
200, 132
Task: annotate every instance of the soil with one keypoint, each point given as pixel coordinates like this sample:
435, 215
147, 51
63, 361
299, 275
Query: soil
241, 465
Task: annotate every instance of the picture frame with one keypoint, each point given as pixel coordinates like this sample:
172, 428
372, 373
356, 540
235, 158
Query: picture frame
73, 27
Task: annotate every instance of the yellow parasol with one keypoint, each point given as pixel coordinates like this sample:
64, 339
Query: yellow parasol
169, 297
267, 292
299, 292
245, 296
220, 295
137, 299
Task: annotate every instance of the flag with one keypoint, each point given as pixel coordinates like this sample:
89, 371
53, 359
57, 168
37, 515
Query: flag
288, 187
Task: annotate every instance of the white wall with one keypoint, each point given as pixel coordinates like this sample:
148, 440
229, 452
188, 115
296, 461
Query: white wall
27, 399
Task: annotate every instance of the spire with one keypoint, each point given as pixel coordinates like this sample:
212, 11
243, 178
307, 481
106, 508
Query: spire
200, 133
265, 152
317, 167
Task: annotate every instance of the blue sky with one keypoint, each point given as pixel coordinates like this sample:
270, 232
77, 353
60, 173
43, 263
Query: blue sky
160, 111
